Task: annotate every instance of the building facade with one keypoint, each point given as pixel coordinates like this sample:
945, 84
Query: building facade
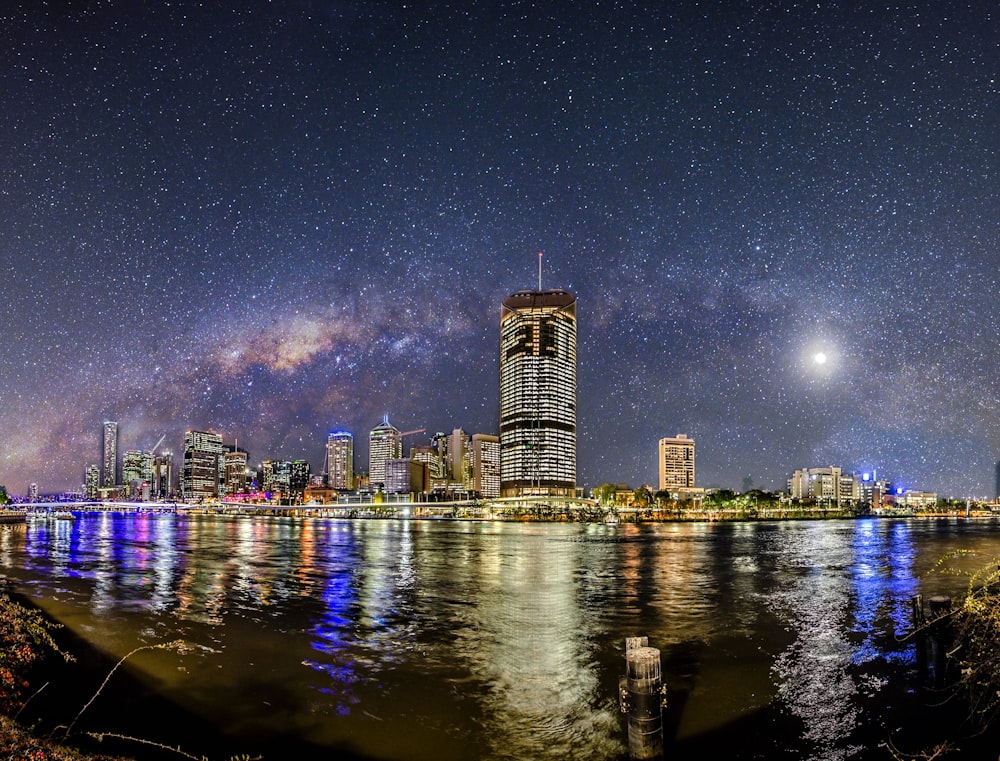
825, 486
538, 394
405, 475
340, 460
460, 458
429, 455
234, 479
676, 460
92, 481
486, 465
202, 469
385, 442
276, 478
163, 476
299, 472
109, 454
137, 474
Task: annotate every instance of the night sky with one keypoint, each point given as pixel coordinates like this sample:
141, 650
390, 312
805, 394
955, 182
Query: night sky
278, 219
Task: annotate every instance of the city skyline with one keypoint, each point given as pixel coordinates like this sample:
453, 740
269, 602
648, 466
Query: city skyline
780, 223
675, 460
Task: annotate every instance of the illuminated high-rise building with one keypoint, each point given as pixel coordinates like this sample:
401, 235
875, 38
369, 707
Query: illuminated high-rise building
538, 394
92, 482
203, 467
676, 460
429, 455
405, 475
340, 460
163, 475
385, 442
109, 454
460, 458
486, 465
234, 470
137, 473
298, 479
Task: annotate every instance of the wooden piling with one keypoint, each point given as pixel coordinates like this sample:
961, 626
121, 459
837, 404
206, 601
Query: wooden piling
939, 637
918, 620
642, 698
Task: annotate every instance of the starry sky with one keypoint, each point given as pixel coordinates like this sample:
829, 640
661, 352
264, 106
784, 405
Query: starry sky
278, 219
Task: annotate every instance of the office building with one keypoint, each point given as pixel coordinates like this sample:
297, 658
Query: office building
538, 394
829, 486
340, 460
234, 478
109, 455
202, 468
404, 475
92, 481
676, 461
137, 473
385, 442
440, 442
460, 458
163, 476
276, 478
486, 465
429, 455
299, 472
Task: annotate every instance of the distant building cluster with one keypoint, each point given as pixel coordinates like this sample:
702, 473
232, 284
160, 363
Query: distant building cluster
533, 454
833, 486
452, 465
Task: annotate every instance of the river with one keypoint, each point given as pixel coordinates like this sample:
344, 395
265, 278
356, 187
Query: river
446, 640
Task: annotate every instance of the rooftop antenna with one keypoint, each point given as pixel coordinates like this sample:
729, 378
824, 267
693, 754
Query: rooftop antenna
539, 270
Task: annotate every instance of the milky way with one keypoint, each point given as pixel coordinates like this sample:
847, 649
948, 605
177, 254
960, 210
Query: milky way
274, 220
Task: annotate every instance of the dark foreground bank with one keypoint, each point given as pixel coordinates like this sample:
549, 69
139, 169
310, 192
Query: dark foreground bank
95, 709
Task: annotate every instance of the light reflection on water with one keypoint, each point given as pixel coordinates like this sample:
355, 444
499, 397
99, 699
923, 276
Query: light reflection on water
414, 640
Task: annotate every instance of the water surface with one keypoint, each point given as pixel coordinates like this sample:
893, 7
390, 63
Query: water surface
412, 640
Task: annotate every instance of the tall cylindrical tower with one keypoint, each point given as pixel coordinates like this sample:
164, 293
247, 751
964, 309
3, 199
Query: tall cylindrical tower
538, 394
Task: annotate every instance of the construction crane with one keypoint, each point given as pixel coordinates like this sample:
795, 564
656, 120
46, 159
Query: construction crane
410, 433
157, 444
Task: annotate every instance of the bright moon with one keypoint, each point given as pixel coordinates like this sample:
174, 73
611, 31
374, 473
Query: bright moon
819, 358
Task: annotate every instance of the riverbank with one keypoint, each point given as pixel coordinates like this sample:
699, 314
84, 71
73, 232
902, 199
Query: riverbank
31, 660
91, 707
543, 510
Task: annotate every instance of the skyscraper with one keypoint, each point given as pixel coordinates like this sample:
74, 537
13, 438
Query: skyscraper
109, 455
137, 473
385, 442
92, 480
676, 459
340, 460
486, 465
538, 394
203, 467
460, 458
234, 470
163, 475
298, 480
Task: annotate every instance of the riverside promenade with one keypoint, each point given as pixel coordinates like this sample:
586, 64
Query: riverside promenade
577, 510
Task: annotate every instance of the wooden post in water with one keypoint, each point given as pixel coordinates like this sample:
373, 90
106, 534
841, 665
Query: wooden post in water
642, 696
919, 620
940, 637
